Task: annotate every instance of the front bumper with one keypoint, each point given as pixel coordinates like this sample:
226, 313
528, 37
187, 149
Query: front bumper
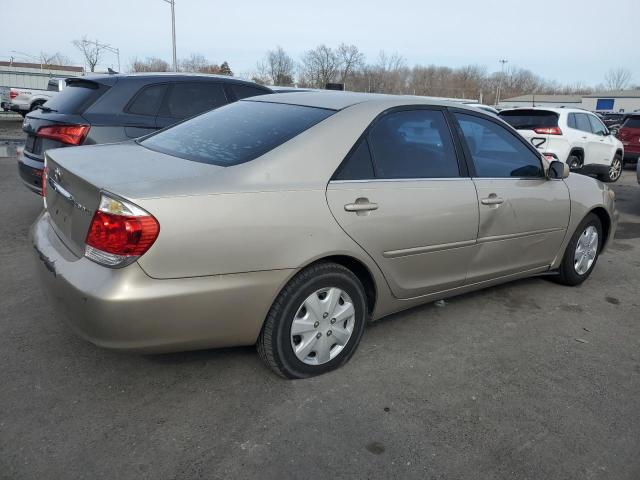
125, 309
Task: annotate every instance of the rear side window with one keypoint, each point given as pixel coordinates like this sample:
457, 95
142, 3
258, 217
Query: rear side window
632, 122
190, 98
496, 152
413, 144
147, 101
530, 119
597, 126
358, 165
236, 133
571, 121
582, 122
246, 91
77, 96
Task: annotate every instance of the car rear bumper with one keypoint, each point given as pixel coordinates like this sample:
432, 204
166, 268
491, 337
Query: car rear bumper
30, 173
125, 309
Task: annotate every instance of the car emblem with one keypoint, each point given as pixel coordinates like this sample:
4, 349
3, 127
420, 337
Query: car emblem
57, 175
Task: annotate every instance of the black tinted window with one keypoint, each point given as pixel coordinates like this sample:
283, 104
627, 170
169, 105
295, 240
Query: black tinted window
77, 96
496, 152
357, 166
246, 91
571, 120
582, 122
632, 122
236, 133
190, 98
413, 144
597, 126
147, 101
530, 119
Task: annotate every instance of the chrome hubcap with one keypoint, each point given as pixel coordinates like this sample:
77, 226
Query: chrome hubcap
586, 250
322, 326
615, 170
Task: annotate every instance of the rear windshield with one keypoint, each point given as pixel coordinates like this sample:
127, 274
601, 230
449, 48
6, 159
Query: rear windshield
530, 119
236, 133
77, 96
632, 122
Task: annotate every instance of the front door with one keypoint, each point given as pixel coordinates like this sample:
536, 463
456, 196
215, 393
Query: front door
601, 144
523, 215
401, 196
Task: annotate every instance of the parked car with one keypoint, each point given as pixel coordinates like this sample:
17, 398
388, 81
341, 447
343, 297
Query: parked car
611, 119
574, 136
4, 99
481, 106
629, 135
25, 100
113, 108
289, 220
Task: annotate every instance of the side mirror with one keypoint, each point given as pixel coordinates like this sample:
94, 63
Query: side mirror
558, 170
613, 131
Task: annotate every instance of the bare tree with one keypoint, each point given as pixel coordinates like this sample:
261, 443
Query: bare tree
351, 60
150, 64
617, 79
56, 58
319, 66
277, 68
91, 51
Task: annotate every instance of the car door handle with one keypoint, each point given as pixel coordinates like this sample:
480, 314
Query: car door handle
492, 199
361, 205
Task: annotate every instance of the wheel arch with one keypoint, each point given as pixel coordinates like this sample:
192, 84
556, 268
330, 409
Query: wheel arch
605, 221
578, 151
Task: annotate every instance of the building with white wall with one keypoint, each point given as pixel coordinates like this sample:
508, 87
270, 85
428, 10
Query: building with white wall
34, 75
621, 101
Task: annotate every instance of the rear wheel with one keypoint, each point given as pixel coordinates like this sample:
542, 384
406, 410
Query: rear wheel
615, 170
582, 252
574, 162
315, 324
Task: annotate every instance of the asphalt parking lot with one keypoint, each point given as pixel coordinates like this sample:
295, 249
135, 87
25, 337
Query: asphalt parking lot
528, 380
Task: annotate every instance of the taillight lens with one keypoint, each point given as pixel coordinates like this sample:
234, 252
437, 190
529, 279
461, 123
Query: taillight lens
548, 130
119, 233
69, 134
12, 94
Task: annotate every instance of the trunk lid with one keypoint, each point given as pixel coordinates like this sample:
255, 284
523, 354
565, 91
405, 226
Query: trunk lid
76, 176
36, 146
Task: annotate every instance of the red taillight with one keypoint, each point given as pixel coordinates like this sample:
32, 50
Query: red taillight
13, 94
45, 172
121, 234
69, 134
548, 130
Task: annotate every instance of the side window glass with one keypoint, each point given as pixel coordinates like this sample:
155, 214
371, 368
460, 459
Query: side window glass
190, 98
571, 121
495, 151
357, 166
147, 101
245, 91
597, 126
582, 122
413, 144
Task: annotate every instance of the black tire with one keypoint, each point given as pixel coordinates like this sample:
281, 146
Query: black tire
567, 274
34, 105
274, 344
574, 162
615, 170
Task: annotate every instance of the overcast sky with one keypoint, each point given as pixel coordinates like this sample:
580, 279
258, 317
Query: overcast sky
564, 40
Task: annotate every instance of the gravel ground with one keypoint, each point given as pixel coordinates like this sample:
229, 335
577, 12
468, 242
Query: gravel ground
529, 380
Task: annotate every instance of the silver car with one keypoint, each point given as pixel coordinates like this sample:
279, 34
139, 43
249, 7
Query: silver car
290, 220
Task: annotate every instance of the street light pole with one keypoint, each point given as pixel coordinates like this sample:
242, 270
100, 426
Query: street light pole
173, 32
503, 62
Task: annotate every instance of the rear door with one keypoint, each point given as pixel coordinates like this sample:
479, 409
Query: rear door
523, 215
186, 99
404, 198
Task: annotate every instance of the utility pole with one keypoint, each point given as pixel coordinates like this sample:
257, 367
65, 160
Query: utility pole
502, 62
173, 32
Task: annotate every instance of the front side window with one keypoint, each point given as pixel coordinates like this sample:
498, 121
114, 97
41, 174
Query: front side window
187, 99
236, 133
413, 144
496, 152
597, 126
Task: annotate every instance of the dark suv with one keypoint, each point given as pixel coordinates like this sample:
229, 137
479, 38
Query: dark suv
114, 108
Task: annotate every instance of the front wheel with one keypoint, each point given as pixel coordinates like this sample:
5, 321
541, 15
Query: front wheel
582, 252
615, 170
315, 324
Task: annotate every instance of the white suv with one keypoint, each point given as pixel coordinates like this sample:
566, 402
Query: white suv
574, 136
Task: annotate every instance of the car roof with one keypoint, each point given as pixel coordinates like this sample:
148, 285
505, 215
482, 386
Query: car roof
338, 100
111, 79
548, 109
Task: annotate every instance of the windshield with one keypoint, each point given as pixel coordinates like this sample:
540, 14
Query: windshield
236, 133
77, 96
530, 119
